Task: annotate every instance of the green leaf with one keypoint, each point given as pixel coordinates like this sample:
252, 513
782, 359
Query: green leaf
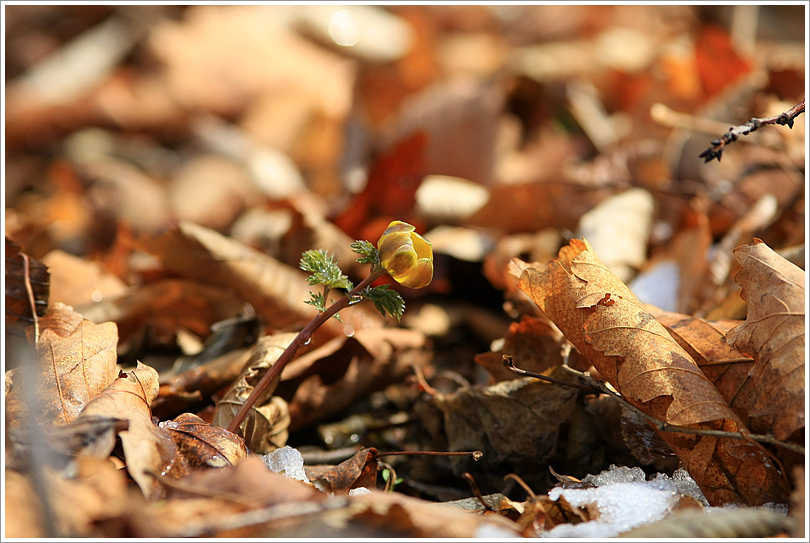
324, 269
317, 301
368, 253
386, 301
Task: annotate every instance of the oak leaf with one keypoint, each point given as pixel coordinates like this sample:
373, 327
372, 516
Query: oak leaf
601, 317
75, 362
148, 449
726, 367
773, 333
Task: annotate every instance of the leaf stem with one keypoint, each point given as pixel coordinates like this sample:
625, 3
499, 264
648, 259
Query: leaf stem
296, 344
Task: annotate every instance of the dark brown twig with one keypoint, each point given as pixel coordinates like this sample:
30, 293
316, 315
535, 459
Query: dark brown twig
786, 118
509, 362
475, 454
661, 426
476, 492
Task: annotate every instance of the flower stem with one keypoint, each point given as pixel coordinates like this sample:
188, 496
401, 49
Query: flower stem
300, 339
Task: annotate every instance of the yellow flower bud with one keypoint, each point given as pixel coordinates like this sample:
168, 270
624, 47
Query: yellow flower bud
405, 255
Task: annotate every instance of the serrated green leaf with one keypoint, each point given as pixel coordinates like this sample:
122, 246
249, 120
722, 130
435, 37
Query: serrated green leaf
317, 301
386, 301
368, 253
324, 269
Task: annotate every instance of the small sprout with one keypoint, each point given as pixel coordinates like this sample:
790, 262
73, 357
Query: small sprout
386, 301
368, 253
317, 301
405, 255
324, 269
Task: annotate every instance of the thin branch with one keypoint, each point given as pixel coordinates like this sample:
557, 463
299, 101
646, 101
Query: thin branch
657, 424
786, 118
477, 455
509, 362
29, 289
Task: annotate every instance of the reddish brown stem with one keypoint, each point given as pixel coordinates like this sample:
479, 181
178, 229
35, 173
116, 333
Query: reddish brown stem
299, 340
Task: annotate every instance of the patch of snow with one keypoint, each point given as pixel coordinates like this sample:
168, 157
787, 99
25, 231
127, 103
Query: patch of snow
287, 461
624, 499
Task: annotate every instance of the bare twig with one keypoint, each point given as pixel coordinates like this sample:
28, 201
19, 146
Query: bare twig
522, 483
657, 424
477, 455
509, 362
476, 492
29, 289
786, 118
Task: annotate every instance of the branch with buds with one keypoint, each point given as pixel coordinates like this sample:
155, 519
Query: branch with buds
735, 132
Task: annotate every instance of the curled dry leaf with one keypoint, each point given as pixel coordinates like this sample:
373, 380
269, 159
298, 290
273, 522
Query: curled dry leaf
75, 362
19, 313
148, 449
265, 427
773, 333
358, 471
87, 436
202, 445
194, 387
636, 354
328, 379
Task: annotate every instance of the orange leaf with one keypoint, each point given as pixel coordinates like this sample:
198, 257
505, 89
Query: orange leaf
148, 449
76, 361
773, 334
599, 315
391, 189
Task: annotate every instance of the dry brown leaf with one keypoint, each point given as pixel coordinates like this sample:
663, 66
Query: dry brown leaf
514, 421
75, 362
201, 445
330, 378
277, 291
87, 437
274, 289
195, 386
358, 471
249, 483
148, 449
167, 305
773, 333
726, 367
19, 313
76, 281
265, 427
93, 503
404, 516
535, 346
636, 354
535, 206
